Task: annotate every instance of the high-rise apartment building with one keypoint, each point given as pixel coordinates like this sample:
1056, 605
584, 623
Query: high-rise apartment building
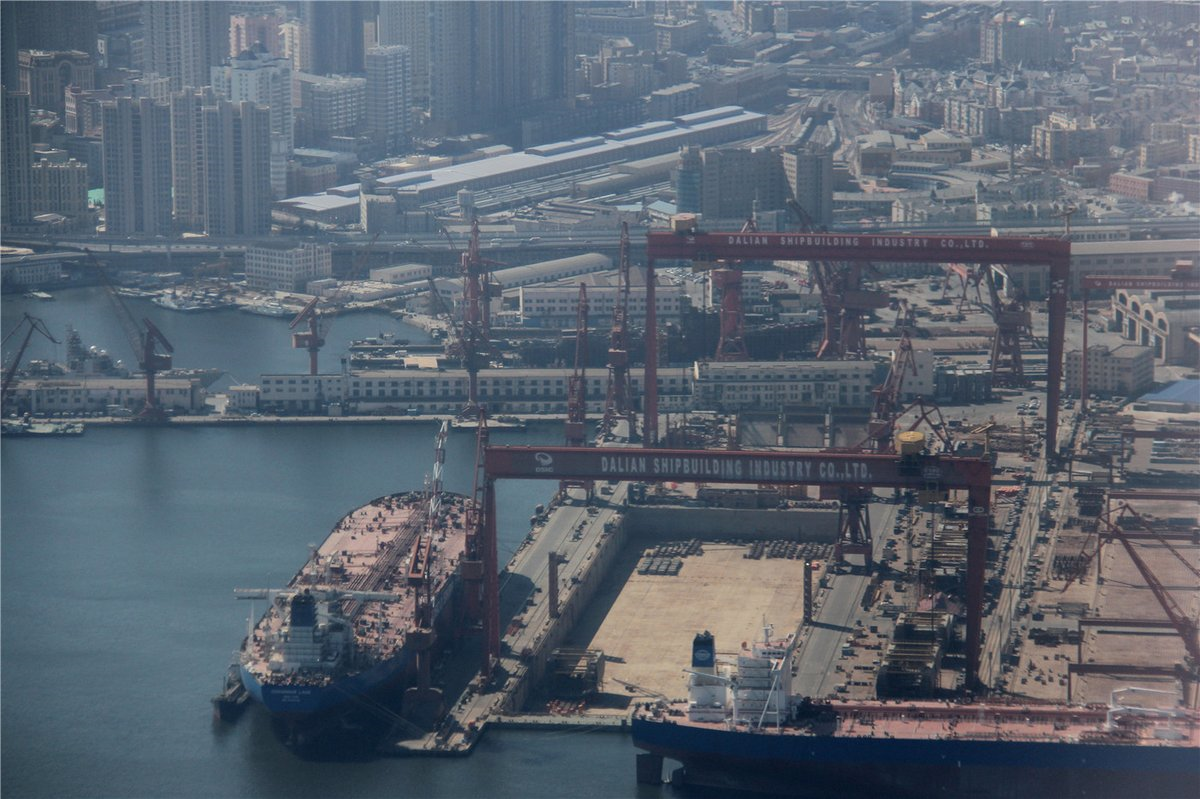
408, 24
809, 176
136, 145
183, 39
246, 30
17, 191
389, 97
330, 107
236, 147
335, 31
493, 62
257, 76
60, 186
187, 158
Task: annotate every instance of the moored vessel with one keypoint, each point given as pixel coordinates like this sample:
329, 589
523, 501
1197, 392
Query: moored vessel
362, 618
740, 729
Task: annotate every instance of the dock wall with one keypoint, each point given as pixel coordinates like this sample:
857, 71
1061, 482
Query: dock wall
651, 522
573, 601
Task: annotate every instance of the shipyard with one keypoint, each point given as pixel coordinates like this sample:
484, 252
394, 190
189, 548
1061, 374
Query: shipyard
746, 397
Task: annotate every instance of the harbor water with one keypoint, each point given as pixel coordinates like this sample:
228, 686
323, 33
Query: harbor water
121, 550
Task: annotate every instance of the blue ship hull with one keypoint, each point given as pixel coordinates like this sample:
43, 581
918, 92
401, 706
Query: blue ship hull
298, 701
822, 766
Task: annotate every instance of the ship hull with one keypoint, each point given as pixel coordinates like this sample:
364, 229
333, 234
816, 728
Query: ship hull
301, 703
818, 766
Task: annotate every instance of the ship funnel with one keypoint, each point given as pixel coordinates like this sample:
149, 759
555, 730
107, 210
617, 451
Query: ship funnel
303, 610
704, 652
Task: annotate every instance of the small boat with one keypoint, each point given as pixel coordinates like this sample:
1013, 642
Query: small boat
233, 699
269, 308
39, 295
25, 427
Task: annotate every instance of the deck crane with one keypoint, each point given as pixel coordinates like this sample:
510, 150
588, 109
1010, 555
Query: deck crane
35, 326
618, 402
145, 342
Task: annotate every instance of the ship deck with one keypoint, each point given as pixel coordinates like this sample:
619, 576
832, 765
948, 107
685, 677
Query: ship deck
369, 549
952, 721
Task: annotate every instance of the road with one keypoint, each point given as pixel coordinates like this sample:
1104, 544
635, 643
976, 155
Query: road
834, 620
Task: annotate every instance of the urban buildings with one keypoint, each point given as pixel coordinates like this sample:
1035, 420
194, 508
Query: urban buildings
408, 24
236, 168
137, 167
183, 39
60, 186
389, 97
493, 63
809, 175
330, 107
287, 269
259, 77
46, 76
1124, 371
17, 191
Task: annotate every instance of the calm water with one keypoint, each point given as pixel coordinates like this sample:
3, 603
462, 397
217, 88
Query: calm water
121, 550
242, 344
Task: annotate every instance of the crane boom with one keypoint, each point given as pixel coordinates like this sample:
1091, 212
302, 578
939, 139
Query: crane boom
35, 326
144, 341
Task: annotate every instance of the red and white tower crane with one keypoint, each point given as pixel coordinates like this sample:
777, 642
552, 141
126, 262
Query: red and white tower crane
313, 338
144, 341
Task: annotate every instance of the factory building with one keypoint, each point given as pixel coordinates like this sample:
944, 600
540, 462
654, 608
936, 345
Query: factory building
1126, 258
759, 385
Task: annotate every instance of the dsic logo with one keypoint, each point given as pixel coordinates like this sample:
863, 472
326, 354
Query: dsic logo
545, 462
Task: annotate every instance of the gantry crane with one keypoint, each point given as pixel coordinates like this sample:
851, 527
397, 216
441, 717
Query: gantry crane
967, 277
618, 402
844, 301
35, 326
731, 343
145, 343
1012, 323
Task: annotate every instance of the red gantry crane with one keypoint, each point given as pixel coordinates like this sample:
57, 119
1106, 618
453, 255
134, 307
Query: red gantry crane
35, 326
144, 341
1012, 323
576, 426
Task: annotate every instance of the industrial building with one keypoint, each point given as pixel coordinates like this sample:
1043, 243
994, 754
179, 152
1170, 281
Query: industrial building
1126, 258
1124, 371
275, 269
1164, 321
757, 385
411, 190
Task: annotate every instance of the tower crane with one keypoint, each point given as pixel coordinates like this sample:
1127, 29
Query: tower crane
575, 428
618, 402
313, 338
144, 341
577, 384
35, 326
473, 338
